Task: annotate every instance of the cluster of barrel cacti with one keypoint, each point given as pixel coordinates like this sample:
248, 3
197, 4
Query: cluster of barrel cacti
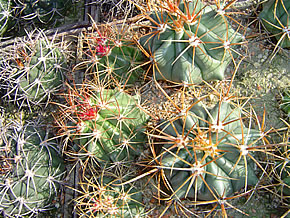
205, 154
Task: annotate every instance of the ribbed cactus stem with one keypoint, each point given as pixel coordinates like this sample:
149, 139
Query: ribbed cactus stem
190, 42
35, 169
207, 153
108, 124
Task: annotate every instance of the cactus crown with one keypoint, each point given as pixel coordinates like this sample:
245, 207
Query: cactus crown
205, 153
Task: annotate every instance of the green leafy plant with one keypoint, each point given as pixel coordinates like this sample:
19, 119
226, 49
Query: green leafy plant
190, 42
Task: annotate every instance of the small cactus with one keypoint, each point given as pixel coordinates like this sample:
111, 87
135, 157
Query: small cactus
104, 124
5, 13
103, 196
35, 74
204, 154
111, 57
285, 102
208, 156
275, 18
32, 169
190, 42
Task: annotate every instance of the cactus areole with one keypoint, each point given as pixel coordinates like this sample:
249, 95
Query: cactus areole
190, 49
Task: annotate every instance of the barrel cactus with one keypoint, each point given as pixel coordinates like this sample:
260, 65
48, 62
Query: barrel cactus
275, 18
285, 102
190, 42
102, 196
35, 74
281, 169
5, 13
111, 57
105, 124
206, 154
40, 13
31, 170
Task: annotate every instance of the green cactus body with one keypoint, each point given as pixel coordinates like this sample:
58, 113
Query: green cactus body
110, 126
281, 170
211, 163
285, 106
103, 198
124, 63
196, 50
36, 76
275, 18
42, 13
283, 175
114, 60
35, 169
5, 11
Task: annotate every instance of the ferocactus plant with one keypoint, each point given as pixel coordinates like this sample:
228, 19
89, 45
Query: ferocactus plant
104, 124
35, 73
285, 102
5, 13
31, 170
29, 14
102, 196
205, 154
111, 56
275, 18
280, 172
190, 42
